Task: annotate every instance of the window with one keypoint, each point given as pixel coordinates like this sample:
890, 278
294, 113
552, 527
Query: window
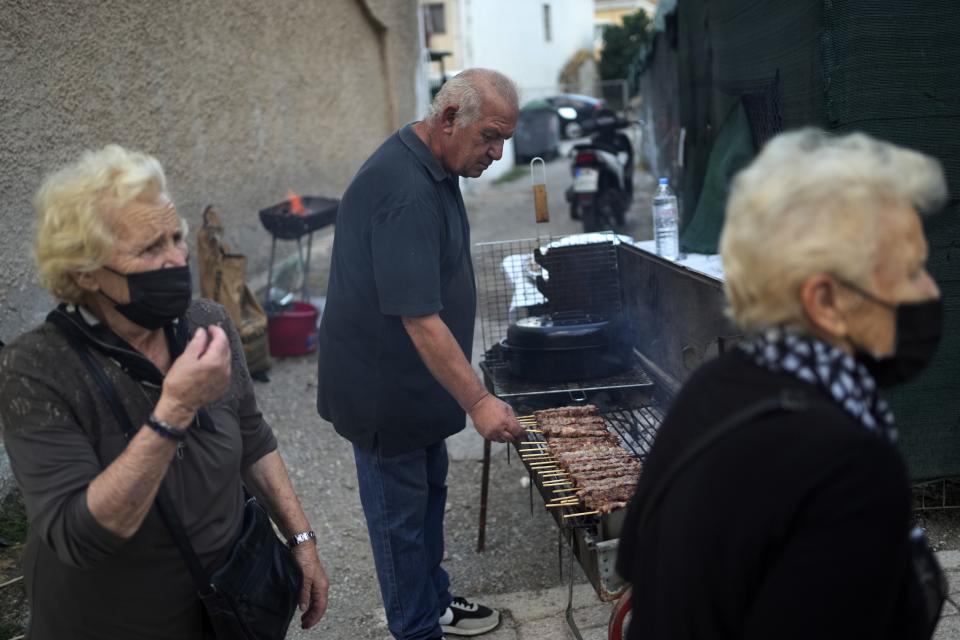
546, 23
433, 18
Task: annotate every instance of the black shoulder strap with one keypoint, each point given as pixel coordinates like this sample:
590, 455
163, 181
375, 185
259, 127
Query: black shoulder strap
787, 400
168, 512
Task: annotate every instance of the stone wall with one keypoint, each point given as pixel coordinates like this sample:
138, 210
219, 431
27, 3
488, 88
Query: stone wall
240, 100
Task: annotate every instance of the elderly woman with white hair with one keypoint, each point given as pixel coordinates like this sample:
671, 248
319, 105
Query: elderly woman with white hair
130, 392
774, 503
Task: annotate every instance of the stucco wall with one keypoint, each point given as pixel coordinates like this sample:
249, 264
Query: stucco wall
239, 99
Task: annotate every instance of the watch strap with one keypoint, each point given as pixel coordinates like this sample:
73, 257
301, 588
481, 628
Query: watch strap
300, 538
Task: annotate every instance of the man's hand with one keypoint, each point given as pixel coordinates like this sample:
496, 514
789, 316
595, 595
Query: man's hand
494, 420
313, 596
199, 376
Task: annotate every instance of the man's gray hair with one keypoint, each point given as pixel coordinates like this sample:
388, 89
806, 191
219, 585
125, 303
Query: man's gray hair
468, 90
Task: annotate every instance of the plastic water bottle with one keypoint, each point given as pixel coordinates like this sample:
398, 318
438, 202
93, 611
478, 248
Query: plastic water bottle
665, 219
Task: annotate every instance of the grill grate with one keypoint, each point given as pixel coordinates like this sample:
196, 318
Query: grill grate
635, 427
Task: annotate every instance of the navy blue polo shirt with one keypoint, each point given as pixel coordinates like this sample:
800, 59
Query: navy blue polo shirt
401, 248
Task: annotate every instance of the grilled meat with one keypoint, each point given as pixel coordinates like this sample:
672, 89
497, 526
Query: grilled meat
585, 410
574, 431
562, 421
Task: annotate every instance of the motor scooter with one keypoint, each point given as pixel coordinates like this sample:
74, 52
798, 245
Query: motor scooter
602, 170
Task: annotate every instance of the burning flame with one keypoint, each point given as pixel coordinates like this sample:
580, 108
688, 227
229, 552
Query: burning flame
296, 204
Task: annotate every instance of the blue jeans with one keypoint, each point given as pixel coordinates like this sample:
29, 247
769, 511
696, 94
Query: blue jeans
403, 500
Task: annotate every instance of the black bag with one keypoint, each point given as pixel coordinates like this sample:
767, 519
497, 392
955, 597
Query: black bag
930, 581
254, 595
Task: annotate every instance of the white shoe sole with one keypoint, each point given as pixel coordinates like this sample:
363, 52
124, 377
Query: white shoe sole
454, 631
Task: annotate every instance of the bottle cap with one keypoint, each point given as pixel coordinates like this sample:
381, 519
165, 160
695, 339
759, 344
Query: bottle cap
664, 181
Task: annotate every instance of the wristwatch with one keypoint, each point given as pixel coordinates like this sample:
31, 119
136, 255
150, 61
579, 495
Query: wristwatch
300, 538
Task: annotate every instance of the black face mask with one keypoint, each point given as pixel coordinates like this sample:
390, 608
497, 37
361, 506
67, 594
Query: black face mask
156, 297
919, 326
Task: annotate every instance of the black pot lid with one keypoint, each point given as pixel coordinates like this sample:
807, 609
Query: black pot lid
560, 331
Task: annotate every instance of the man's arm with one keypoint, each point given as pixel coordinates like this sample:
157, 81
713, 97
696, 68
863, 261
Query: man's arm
269, 481
438, 349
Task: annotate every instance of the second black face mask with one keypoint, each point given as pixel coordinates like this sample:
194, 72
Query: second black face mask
157, 297
918, 330
919, 326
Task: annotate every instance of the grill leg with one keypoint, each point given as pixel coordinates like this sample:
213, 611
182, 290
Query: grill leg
273, 253
568, 614
484, 485
532, 480
560, 551
306, 269
303, 268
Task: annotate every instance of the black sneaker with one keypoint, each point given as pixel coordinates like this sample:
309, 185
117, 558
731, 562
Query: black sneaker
465, 618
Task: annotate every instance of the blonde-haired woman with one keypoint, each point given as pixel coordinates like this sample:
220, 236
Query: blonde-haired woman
99, 562
774, 503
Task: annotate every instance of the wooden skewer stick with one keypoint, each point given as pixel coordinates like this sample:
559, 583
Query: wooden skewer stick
542, 465
582, 513
565, 489
533, 430
554, 483
562, 504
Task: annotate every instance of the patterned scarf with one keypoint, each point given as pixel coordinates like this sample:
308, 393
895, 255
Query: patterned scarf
825, 366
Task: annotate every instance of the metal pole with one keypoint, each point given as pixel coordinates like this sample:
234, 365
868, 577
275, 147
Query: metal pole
306, 269
484, 484
266, 297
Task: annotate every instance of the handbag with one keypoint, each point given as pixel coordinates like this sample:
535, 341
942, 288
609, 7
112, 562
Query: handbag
929, 580
254, 594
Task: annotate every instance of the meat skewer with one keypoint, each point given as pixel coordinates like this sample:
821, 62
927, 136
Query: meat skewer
579, 443
573, 431
571, 420
585, 410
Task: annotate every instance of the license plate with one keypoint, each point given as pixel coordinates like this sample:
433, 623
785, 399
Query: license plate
585, 180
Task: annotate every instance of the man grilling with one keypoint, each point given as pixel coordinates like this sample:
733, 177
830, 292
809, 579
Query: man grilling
396, 339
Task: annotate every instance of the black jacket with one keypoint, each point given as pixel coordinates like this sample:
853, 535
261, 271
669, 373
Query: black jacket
793, 526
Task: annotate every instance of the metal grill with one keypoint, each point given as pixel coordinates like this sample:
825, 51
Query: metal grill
523, 278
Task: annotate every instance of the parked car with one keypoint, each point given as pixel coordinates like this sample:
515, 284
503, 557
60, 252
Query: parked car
538, 132
573, 110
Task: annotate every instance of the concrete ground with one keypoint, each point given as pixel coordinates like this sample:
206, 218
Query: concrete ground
519, 571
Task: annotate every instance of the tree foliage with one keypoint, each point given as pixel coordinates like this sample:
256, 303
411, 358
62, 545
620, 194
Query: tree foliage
621, 44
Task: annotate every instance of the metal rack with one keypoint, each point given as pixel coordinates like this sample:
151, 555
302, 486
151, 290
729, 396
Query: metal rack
521, 278
594, 539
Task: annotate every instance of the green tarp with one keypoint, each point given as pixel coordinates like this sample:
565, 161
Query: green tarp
732, 151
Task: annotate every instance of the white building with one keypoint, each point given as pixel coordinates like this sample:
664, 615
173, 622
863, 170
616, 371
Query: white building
530, 41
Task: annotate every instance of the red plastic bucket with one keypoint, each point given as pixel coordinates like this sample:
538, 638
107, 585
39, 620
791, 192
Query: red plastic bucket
293, 331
